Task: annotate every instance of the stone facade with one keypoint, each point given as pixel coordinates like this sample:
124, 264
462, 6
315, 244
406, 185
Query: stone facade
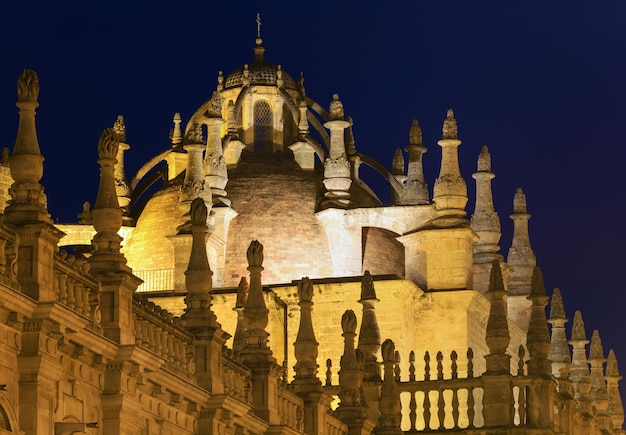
238, 298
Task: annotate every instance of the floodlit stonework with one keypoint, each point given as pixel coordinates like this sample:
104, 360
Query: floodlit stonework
264, 288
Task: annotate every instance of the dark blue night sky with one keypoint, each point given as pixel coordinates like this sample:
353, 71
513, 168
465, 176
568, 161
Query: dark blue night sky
543, 84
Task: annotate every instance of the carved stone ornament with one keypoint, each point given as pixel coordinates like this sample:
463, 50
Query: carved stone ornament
595, 349
120, 128
450, 129
519, 201
255, 254
415, 134
348, 322
339, 167
215, 106
28, 86
198, 212
484, 160
214, 162
336, 108
193, 188
108, 144
578, 327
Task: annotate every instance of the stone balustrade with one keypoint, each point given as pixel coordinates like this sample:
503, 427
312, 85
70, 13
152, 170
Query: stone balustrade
156, 330
333, 426
291, 409
75, 288
236, 376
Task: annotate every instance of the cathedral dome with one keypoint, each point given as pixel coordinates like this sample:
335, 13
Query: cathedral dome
260, 73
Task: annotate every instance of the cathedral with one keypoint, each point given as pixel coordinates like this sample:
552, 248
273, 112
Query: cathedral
246, 280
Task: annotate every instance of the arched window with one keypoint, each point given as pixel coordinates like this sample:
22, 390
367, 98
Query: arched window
263, 126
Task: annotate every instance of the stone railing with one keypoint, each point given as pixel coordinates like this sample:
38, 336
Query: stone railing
291, 409
155, 330
8, 257
75, 288
236, 376
334, 426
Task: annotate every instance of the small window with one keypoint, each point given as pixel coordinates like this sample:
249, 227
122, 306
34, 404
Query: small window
263, 126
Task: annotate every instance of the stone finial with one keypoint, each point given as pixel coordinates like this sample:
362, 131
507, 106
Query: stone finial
28, 86
108, 144
485, 222
484, 160
350, 141
107, 213
120, 128
595, 349
254, 254
389, 403
450, 129
369, 334
242, 292
350, 377
348, 322
615, 408
194, 135
612, 369
220, 81
336, 108
557, 309
559, 351
519, 201
214, 109
301, 84
450, 190
198, 277
367, 286
397, 164
415, 134
578, 327
177, 135
305, 290
538, 337
306, 346
497, 333
255, 311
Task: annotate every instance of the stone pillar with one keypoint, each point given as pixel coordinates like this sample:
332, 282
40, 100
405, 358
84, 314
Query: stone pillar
522, 262
337, 179
351, 410
450, 190
303, 152
579, 374
239, 339
616, 407
598, 393
232, 152
256, 354
199, 319
122, 188
27, 212
485, 223
390, 407
498, 395
369, 334
215, 172
415, 188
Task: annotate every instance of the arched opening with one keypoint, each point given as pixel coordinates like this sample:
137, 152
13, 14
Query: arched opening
263, 126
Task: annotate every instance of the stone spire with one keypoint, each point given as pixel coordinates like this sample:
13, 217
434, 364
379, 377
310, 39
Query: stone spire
598, 384
369, 334
306, 345
397, 164
337, 179
198, 277
579, 373
177, 135
497, 333
559, 351
107, 213
415, 188
521, 257
485, 221
28, 202
390, 407
538, 337
239, 340
194, 185
450, 191
615, 408
121, 184
215, 172
255, 311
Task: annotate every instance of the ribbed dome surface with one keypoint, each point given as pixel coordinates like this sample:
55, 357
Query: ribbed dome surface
261, 73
